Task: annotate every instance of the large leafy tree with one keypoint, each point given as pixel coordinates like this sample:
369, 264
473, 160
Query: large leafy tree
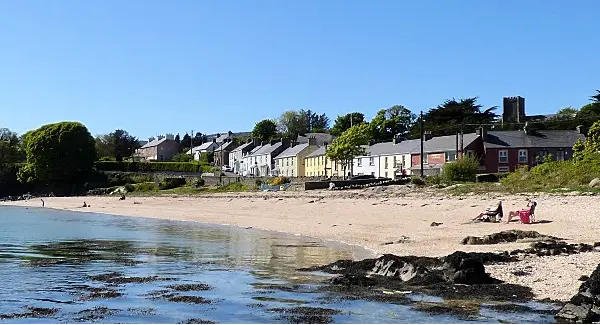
596, 98
199, 139
186, 141
59, 155
454, 115
264, 130
344, 122
396, 120
116, 144
349, 145
292, 123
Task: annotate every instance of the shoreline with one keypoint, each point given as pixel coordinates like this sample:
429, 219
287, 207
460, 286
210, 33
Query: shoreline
371, 219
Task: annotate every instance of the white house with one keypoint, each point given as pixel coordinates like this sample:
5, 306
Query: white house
394, 156
203, 148
262, 161
236, 156
248, 160
366, 165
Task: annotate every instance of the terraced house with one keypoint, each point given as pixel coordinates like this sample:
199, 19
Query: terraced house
291, 162
394, 157
317, 164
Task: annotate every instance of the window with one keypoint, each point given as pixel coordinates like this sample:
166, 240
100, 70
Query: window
503, 169
503, 156
291, 161
287, 162
359, 164
386, 164
395, 162
560, 155
386, 174
450, 156
523, 156
371, 161
425, 159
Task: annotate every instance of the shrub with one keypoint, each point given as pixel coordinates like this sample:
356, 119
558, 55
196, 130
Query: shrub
129, 187
258, 183
145, 187
416, 180
279, 181
199, 182
183, 157
129, 166
171, 182
463, 169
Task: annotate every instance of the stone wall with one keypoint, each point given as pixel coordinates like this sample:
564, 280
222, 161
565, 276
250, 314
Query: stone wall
340, 184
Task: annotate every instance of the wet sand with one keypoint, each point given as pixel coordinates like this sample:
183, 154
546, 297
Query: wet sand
387, 220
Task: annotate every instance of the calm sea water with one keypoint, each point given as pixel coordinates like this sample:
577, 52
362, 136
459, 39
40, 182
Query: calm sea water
58, 266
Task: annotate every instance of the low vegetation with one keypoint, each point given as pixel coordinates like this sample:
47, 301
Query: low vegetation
462, 170
128, 166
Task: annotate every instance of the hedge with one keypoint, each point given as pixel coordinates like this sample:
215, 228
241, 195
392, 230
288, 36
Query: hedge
129, 166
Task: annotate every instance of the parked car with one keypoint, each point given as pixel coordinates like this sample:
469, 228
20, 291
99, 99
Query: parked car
227, 169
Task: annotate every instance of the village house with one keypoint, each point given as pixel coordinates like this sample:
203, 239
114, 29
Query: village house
204, 148
262, 161
321, 139
221, 154
445, 149
249, 160
505, 151
394, 156
236, 156
161, 149
366, 165
291, 161
317, 164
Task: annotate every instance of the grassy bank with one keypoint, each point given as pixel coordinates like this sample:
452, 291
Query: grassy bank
549, 177
150, 188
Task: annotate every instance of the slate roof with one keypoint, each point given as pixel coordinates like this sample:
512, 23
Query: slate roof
319, 152
201, 147
225, 146
242, 147
268, 148
321, 138
444, 143
389, 148
154, 143
293, 151
537, 139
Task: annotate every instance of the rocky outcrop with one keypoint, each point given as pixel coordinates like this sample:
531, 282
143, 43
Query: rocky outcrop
584, 307
506, 237
595, 183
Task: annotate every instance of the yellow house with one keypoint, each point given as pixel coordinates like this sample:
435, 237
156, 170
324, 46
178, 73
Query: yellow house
291, 161
394, 157
317, 164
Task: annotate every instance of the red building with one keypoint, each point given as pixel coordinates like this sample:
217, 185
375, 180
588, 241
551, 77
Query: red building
505, 151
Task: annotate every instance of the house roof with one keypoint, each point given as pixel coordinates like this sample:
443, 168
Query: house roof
293, 151
225, 146
242, 147
389, 148
201, 147
154, 143
223, 137
268, 148
537, 139
444, 143
317, 153
321, 138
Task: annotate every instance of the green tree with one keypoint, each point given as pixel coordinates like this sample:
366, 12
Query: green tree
396, 120
453, 115
116, 144
183, 157
567, 112
596, 98
310, 121
343, 122
591, 144
349, 145
185, 142
292, 123
177, 138
59, 155
264, 130
199, 139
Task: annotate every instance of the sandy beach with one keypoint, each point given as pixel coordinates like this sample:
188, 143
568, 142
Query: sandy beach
375, 217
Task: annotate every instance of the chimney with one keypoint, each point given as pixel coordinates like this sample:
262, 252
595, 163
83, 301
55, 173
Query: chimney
215, 140
398, 139
427, 136
292, 143
482, 131
581, 130
272, 142
249, 141
526, 128
170, 136
312, 141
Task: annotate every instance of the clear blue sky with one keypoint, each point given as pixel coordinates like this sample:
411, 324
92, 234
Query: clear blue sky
153, 67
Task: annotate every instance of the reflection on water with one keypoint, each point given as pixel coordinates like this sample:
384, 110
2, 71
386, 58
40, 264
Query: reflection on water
60, 266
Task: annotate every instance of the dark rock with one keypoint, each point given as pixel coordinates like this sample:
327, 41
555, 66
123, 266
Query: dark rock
435, 224
584, 307
584, 278
505, 237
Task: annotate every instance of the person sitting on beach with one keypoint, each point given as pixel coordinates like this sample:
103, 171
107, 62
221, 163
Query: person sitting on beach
85, 204
489, 214
530, 209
